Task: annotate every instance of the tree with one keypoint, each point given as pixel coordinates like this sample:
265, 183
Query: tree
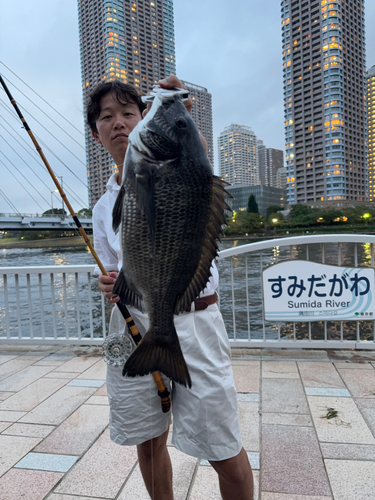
302, 215
55, 211
252, 205
84, 212
272, 209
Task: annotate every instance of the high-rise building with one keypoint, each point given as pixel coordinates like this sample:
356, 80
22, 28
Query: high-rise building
270, 160
262, 163
325, 127
238, 155
371, 131
125, 40
281, 178
202, 114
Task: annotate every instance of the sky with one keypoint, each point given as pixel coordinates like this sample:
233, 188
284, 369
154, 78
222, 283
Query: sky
234, 51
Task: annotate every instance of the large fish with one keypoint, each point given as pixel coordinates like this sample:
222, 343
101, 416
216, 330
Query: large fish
170, 210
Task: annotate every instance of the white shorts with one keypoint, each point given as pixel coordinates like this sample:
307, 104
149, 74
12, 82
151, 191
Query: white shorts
205, 417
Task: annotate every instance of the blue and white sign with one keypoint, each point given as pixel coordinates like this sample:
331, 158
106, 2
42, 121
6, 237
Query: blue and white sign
299, 290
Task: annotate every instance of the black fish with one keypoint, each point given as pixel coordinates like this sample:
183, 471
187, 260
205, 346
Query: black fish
170, 210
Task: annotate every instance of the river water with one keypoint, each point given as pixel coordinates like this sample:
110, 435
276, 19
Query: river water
243, 318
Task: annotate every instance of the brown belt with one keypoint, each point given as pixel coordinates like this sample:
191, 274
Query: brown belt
203, 302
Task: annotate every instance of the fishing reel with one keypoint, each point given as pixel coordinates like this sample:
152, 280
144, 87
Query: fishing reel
117, 348
147, 99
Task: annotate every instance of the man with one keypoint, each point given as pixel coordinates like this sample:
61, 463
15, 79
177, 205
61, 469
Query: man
205, 417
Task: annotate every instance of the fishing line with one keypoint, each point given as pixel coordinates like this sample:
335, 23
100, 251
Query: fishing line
21, 184
40, 97
36, 158
56, 139
40, 109
9, 202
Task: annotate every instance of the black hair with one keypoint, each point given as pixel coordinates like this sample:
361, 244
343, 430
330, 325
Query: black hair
123, 93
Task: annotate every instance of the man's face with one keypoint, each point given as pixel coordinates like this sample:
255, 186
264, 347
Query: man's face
114, 125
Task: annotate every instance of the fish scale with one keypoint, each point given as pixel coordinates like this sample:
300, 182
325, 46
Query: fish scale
170, 210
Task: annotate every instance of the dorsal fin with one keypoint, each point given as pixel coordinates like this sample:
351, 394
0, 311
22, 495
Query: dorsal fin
209, 247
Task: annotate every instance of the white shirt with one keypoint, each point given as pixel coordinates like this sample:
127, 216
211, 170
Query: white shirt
107, 243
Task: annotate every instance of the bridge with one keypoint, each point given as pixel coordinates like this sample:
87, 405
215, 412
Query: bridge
29, 222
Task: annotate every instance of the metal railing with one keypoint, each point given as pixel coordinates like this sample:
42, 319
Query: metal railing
62, 304
242, 267
51, 305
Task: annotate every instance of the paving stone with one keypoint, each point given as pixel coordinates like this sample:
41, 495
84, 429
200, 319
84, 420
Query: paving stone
97, 400
279, 369
361, 383
102, 391
347, 365
248, 396
32, 395
287, 419
253, 457
206, 485
58, 496
97, 372
101, 471
246, 378
294, 354
248, 414
350, 479
30, 430
244, 352
86, 383
4, 425
369, 415
245, 362
183, 469
77, 432
27, 484
58, 407
60, 356
364, 402
283, 496
11, 416
283, 396
345, 451
46, 461
5, 395
320, 375
64, 375
327, 391
6, 357
349, 425
15, 365
48, 362
13, 448
291, 461
77, 364
23, 378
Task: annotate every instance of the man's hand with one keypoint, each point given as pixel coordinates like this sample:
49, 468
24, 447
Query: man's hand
106, 284
170, 83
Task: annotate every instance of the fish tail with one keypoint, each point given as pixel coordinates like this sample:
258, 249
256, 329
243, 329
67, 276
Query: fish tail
152, 354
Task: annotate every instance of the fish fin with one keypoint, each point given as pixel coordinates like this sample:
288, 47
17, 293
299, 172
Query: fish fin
117, 209
209, 247
127, 293
145, 189
152, 354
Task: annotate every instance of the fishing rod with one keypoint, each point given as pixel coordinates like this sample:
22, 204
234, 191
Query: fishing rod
133, 330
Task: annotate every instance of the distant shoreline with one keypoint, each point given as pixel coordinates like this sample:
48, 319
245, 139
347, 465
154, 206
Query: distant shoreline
75, 241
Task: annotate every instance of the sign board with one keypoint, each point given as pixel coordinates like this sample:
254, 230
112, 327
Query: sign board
300, 290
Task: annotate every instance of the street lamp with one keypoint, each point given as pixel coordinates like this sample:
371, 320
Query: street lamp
55, 191
366, 216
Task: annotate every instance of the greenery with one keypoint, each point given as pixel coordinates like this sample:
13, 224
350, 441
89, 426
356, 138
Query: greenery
252, 205
55, 211
84, 212
302, 219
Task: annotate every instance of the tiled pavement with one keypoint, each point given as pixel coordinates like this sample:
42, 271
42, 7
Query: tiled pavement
54, 438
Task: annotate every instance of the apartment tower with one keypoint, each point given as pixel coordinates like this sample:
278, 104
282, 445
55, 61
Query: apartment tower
238, 155
202, 114
324, 95
132, 41
371, 130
